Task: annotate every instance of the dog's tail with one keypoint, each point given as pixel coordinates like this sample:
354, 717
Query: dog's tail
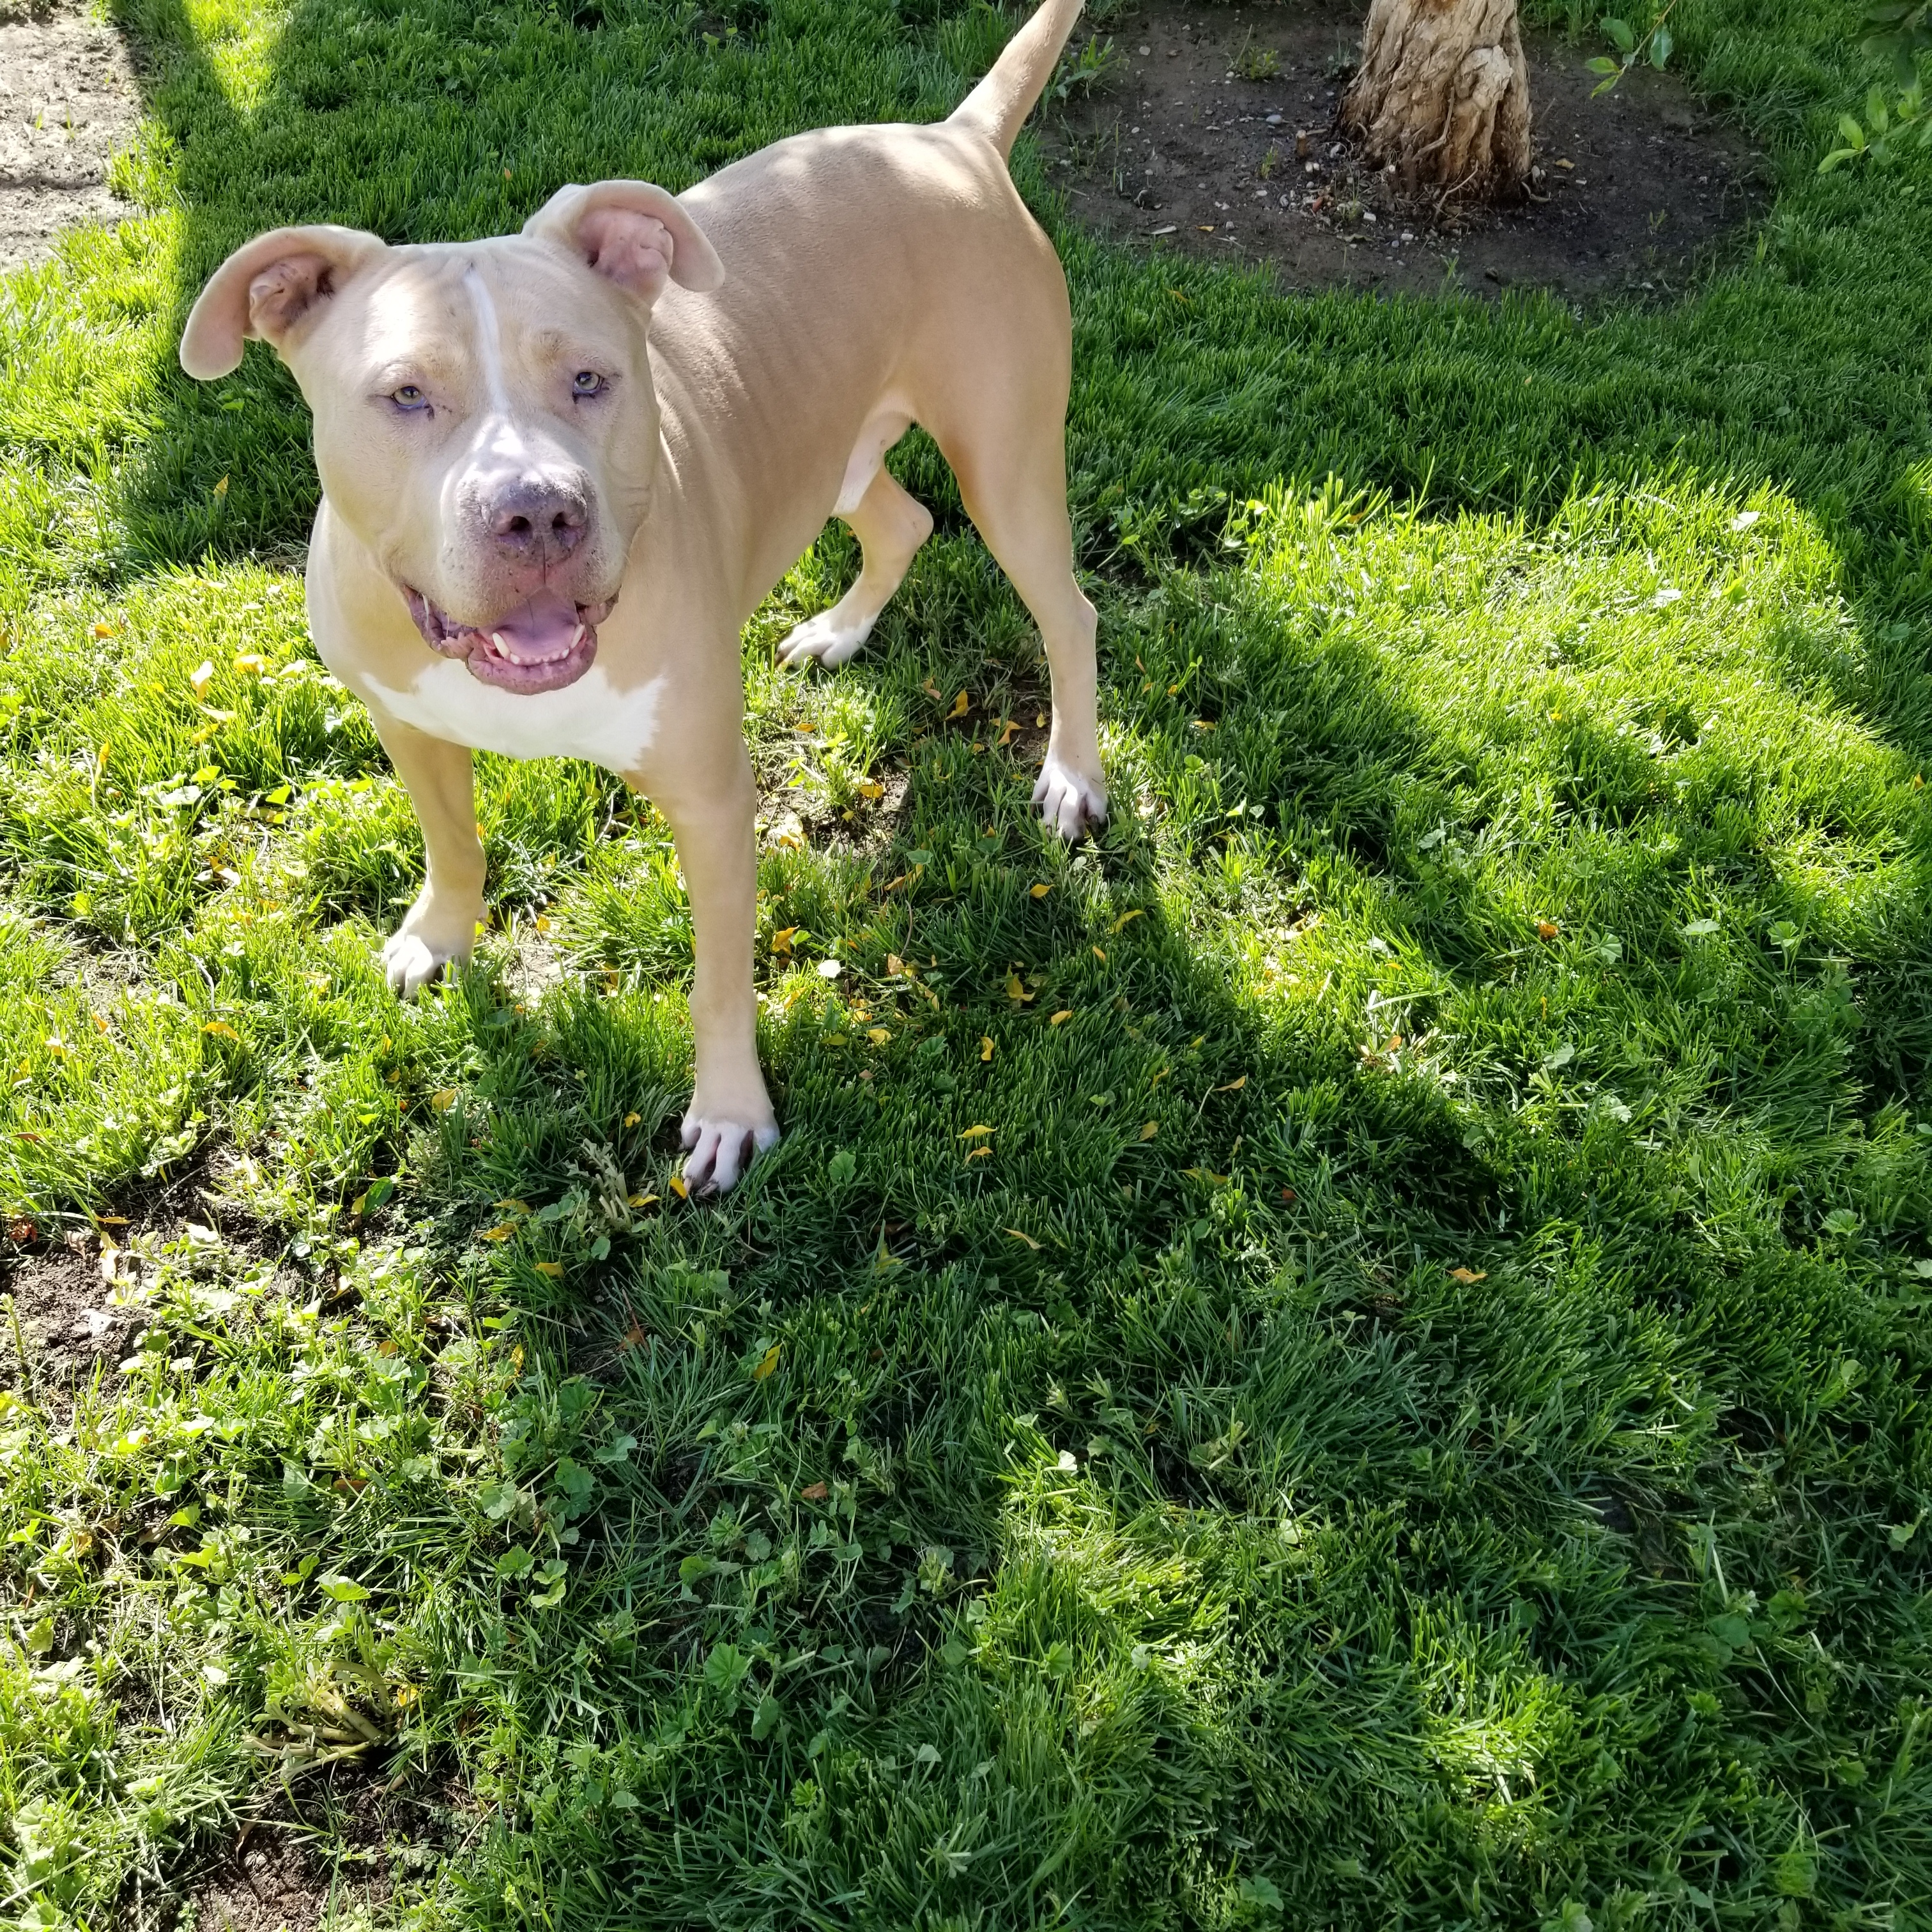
997, 107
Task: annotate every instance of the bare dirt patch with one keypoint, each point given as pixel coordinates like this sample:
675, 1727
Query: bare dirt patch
64, 1330
68, 101
59, 1317
1214, 133
339, 1844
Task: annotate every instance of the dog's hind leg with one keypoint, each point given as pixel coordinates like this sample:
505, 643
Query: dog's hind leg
1014, 489
890, 526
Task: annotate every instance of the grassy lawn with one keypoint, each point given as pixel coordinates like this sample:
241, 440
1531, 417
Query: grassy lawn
1415, 1415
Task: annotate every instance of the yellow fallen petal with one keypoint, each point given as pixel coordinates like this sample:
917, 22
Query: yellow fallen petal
553, 1269
201, 675
444, 1100
640, 1200
512, 1206
678, 1187
631, 1120
1148, 1132
249, 663
1125, 917
894, 965
978, 1153
221, 1026
1018, 1236
877, 1036
1100, 956
976, 1133
985, 1046
1040, 891
767, 1362
1233, 1086
961, 706
502, 1233
1065, 1013
1016, 991
1467, 1275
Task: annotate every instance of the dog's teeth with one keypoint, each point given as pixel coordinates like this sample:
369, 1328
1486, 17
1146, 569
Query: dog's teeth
497, 644
576, 638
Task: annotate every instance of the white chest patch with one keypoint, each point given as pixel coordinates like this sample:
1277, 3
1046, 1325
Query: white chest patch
588, 719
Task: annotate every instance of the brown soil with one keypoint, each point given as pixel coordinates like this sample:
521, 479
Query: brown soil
60, 1293
352, 1844
274, 1884
57, 1302
1173, 148
67, 102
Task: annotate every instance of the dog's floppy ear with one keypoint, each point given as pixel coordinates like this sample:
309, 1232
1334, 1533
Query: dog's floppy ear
268, 288
637, 235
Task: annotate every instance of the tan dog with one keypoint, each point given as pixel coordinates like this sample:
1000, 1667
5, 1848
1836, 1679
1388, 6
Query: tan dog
561, 469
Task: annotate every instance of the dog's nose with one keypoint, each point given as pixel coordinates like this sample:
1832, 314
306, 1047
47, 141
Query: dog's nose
539, 521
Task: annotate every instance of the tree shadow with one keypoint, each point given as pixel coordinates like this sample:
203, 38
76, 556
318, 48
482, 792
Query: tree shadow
1278, 1492
1270, 1443
1194, 387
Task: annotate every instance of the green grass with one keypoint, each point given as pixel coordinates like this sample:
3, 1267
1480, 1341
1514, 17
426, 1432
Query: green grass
1415, 1414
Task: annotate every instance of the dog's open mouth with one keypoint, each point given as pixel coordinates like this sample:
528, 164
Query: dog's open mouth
541, 645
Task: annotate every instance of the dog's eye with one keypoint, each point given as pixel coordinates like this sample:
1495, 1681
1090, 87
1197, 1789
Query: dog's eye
587, 383
409, 396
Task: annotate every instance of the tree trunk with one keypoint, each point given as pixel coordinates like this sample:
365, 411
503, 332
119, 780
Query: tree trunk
1442, 93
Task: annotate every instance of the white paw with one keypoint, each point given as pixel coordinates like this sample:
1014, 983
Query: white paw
725, 1144
828, 638
1068, 802
414, 954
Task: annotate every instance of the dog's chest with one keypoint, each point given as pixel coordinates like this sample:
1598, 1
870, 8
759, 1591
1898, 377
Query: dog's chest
588, 719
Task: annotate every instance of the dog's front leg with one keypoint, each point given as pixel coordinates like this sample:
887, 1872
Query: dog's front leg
730, 1121
441, 925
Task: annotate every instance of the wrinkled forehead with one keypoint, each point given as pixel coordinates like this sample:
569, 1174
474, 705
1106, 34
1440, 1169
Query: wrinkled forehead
451, 307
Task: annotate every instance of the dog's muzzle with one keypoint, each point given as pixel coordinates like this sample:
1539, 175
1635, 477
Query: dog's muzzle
544, 644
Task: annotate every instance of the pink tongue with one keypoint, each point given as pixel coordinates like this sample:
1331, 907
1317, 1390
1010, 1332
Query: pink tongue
540, 631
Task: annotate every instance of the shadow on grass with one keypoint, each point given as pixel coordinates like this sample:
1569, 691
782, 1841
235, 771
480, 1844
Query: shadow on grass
1302, 1492
1278, 1495
450, 121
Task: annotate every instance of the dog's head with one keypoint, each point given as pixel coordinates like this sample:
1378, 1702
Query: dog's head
485, 418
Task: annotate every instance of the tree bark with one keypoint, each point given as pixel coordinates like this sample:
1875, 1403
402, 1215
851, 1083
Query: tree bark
1442, 92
